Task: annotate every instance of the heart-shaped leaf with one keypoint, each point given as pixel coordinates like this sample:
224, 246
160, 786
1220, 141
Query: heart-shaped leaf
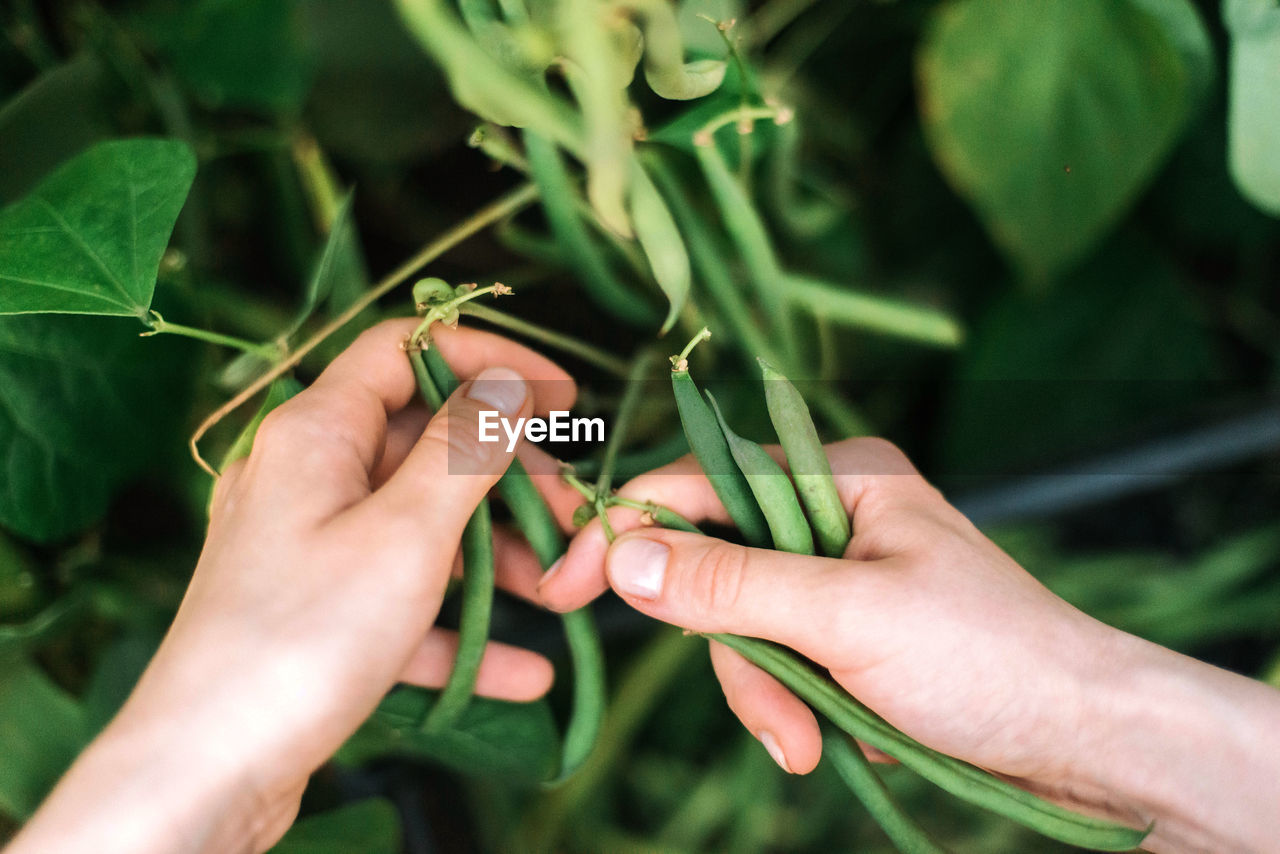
88, 239
83, 404
1050, 116
516, 741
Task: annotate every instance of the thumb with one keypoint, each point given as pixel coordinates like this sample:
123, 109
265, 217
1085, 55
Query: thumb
708, 585
457, 460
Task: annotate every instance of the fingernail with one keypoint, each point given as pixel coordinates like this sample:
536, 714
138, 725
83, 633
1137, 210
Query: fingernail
501, 388
637, 566
775, 750
551, 570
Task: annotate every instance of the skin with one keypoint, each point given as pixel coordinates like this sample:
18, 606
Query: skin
330, 547
328, 553
937, 630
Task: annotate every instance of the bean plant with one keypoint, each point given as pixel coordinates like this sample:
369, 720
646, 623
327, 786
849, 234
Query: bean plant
740, 225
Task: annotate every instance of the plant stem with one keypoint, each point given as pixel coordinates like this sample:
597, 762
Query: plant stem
491, 213
160, 326
626, 411
560, 341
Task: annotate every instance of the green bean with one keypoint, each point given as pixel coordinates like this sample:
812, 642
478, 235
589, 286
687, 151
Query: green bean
660, 239
856, 771
772, 489
887, 316
557, 194
808, 460
539, 527
477, 575
665, 70
473, 624
427, 388
712, 451
961, 779
749, 236
485, 87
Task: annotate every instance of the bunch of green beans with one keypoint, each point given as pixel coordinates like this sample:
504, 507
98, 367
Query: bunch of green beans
436, 381
768, 508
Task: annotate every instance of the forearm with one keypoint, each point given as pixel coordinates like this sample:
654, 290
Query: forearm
145, 787
1190, 747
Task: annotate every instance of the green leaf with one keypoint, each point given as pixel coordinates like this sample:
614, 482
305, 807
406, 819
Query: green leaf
367, 827
1050, 116
515, 741
41, 730
1254, 115
89, 238
84, 404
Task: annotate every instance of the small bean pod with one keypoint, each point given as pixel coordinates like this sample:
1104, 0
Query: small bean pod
712, 452
808, 461
772, 488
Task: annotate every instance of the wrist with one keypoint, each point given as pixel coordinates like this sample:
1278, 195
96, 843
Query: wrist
1182, 745
146, 785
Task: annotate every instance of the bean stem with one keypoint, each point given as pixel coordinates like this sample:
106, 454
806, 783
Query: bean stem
157, 325
852, 766
631, 396
565, 343
486, 216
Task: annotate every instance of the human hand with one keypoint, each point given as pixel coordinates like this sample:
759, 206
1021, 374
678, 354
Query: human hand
947, 638
328, 553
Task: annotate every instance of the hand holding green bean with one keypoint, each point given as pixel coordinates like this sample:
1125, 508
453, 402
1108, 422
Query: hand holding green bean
950, 643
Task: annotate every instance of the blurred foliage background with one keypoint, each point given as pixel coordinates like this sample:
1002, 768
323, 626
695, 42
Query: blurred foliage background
1071, 204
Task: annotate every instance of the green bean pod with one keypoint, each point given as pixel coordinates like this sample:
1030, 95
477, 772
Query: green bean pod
478, 569
557, 194
961, 779
712, 452
473, 624
857, 773
660, 239
808, 460
539, 527
772, 488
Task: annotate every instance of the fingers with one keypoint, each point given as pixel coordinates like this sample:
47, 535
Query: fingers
506, 672
316, 453
426, 503
709, 585
470, 351
679, 485
784, 725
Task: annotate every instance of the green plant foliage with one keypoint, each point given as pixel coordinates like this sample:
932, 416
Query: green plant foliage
42, 729
1078, 365
237, 53
1050, 116
512, 741
1254, 121
366, 827
89, 238
80, 401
